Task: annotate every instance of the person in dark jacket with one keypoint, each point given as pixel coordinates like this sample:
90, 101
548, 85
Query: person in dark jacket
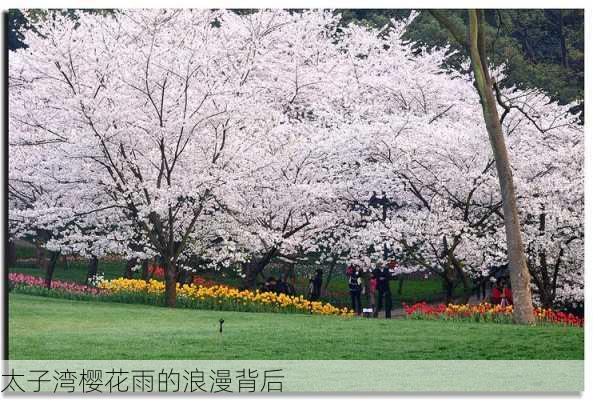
355, 288
269, 285
315, 285
281, 287
383, 292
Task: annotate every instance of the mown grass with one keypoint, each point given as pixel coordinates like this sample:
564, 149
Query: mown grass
46, 328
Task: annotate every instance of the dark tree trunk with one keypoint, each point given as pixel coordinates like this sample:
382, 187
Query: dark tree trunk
292, 276
448, 291
251, 270
170, 283
400, 286
563, 51
329, 277
546, 299
11, 254
51, 267
92, 268
145, 271
467, 289
255, 267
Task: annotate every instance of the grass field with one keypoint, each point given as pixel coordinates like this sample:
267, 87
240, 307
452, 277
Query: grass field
44, 328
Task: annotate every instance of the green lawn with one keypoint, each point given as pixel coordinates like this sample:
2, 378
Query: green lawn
45, 328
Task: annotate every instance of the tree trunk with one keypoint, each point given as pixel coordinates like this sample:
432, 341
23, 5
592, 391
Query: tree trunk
292, 276
255, 267
252, 269
329, 277
11, 254
520, 278
462, 277
92, 268
563, 51
170, 283
51, 267
546, 300
448, 290
474, 40
145, 271
40, 259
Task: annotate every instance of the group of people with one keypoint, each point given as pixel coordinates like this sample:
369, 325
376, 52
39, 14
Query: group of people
494, 289
501, 293
278, 286
378, 286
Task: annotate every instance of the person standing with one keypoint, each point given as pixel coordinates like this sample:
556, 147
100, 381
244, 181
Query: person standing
383, 276
496, 295
373, 291
269, 285
355, 288
507, 295
315, 285
281, 287
480, 284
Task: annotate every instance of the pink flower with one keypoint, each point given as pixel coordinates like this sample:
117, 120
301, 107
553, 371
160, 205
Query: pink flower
72, 287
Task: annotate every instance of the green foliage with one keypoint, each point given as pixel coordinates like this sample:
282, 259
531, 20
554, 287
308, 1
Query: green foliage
26, 252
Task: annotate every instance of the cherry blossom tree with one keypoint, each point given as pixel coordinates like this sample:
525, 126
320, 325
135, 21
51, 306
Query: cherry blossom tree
427, 154
149, 103
238, 138
548, 143
159, 114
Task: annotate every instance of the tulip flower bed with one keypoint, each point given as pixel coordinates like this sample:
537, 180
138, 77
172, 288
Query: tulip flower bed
218, 297
486, 312
212, 297
158, 272
36, 285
